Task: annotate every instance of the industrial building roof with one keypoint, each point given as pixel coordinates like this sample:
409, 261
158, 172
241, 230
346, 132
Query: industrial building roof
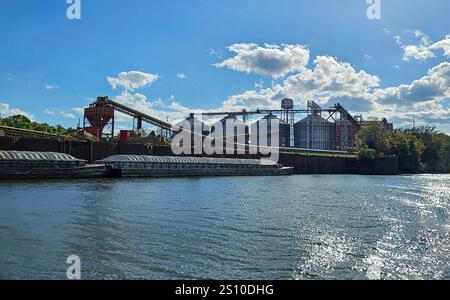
25, 155
271, 117
194, 121
182, 160
315, 118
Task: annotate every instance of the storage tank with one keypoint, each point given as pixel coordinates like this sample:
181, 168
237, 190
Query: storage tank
191, 122
287, 103
234, 132
197, 130
314, 132
283, 131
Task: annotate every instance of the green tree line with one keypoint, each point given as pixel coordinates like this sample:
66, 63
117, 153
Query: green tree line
419, 150
25, 123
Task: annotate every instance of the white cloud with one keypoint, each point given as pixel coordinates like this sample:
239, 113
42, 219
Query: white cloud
132, 80
159, 102
141, 103
367, 56
214, 52
259, 84
78, 110
49, 112
254, 99
329, 77
50, 87
422, 48
68, 115
327, 81
7, 111
420, 52
398, 40
270, 60
182, 76
332, 81
435, 86
444, 45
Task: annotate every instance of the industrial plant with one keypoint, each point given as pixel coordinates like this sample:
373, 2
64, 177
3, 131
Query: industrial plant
313, 128
313, 140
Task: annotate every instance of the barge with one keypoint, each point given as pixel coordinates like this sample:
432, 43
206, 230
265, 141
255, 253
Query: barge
50, 165
178, 166
46, 165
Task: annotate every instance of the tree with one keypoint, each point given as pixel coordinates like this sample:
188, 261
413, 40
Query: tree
17, 122
367, 154
24, 122
373, 137
409, 150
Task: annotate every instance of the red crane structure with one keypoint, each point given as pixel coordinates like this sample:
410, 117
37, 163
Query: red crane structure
99, 118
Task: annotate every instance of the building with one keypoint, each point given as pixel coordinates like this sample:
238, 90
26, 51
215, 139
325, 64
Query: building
268, 127
384, 125
233, 134
315, 132
194, 134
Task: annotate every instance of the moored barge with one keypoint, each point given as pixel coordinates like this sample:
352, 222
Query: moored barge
46, 165
178, 166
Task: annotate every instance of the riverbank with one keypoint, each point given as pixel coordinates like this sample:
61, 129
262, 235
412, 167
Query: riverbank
305, 163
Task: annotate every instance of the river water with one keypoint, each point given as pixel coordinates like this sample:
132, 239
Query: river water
298, 227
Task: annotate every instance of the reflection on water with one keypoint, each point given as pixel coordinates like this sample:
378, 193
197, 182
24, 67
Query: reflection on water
299, 227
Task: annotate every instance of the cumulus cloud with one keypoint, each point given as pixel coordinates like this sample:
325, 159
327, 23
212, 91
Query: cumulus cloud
269, 60
331, 81
7, 111
265, 98
421, 46
132, 80
327, 81
141, 103
443, 44
435, 86
419, 52
330, 76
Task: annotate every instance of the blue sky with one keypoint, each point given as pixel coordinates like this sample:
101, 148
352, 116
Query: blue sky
51, 66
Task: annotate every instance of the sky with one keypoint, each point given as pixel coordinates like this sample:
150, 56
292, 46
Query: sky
168, 58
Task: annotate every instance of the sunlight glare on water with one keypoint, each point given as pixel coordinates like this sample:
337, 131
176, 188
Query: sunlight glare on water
299, 227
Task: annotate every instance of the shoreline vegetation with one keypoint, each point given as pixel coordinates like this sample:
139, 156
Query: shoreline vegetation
420, 150
23, 122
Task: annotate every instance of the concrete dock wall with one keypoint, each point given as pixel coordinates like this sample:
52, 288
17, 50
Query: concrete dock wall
338, 165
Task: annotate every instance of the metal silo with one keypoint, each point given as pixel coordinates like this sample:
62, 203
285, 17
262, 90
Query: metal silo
229, 130
314, 132
282, 130
196, 130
